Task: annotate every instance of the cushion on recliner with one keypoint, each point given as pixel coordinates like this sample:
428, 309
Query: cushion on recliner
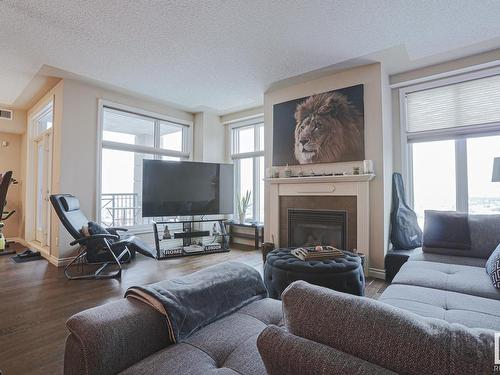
70, 203
95, 228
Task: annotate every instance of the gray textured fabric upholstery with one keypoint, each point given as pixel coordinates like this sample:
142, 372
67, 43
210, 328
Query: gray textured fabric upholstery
113, 337
284, 353
404, 342
226, 346
449, 259
471, 311
455, 278
485, 234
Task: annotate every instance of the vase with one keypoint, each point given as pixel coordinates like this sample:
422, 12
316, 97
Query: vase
242, 218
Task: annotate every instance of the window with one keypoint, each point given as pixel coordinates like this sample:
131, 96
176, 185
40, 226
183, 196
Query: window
129, 137
248, 157
452, 132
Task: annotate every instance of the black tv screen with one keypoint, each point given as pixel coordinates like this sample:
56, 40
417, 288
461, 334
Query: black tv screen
173, 188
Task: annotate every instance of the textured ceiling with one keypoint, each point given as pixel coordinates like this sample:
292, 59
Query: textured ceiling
222, 54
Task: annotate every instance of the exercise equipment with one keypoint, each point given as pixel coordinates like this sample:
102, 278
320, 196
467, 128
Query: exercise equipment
6, 181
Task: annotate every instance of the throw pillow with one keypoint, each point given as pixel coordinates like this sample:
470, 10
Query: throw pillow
493, 267
95, 228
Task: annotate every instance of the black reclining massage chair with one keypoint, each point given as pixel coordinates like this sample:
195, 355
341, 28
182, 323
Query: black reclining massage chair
100, 245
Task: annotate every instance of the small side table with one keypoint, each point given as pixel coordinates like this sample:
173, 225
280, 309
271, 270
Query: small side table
394, 260
257, 236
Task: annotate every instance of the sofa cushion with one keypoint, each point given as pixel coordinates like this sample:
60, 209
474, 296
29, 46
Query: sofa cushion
485, 234
226, 346
450, 259
451, 277
471, 311
284, 353
493, 267
389, 337
446, 230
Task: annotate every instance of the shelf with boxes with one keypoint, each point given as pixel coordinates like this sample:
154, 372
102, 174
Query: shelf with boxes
183, 238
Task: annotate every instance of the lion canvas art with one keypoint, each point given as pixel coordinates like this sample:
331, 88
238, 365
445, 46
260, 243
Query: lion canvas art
321, 128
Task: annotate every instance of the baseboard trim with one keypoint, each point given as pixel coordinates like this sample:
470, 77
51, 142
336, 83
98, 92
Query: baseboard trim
18, 240
376, 273
62, 262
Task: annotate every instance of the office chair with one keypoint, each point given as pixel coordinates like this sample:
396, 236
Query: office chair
107, 247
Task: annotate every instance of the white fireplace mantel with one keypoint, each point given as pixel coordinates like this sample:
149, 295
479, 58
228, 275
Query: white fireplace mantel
316, 179
347, 185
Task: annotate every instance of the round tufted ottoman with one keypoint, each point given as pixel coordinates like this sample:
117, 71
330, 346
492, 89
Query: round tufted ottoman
342, 274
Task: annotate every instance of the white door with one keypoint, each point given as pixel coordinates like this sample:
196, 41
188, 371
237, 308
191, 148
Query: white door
43, 162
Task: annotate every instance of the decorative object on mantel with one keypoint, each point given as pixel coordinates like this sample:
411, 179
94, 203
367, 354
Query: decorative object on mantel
317, 253
287, 172
368, 167
355, 171
321, 128
242, 205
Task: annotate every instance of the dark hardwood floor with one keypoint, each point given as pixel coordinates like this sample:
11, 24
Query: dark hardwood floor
36, 300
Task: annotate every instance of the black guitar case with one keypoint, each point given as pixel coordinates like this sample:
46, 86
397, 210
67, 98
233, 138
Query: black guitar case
405, 231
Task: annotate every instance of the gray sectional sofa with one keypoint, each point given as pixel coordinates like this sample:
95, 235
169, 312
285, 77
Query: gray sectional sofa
411, 329
451, 283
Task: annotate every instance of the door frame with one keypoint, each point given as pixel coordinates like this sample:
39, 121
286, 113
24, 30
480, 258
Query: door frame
33, 137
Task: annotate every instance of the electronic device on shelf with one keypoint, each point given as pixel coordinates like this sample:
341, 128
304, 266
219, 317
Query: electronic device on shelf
192, 234
172, 188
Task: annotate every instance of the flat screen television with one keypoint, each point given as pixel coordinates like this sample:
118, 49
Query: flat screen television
173, 188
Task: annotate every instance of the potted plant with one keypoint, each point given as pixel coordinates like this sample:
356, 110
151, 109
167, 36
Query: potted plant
243, 204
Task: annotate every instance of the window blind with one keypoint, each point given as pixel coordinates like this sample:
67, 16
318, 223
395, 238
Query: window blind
452, 107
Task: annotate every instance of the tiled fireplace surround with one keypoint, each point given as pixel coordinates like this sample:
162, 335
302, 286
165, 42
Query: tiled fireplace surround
348, 194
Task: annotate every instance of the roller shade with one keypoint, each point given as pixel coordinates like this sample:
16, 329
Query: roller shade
454, 107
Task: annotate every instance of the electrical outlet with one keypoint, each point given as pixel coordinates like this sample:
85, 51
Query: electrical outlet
5, 143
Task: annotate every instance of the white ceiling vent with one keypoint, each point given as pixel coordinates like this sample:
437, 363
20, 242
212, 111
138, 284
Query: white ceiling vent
5, 114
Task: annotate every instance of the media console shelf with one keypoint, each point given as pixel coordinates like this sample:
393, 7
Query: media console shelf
185, 241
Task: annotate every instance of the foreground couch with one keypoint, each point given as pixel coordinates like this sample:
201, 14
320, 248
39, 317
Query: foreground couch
327, 332
131, 337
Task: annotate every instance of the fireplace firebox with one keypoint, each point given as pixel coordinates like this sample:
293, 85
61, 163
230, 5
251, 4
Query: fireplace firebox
317, 227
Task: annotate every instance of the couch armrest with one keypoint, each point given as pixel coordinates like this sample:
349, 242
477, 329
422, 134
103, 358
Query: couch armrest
110, 338
385, 335
284, 353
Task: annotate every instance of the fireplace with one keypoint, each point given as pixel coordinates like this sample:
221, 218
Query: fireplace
310, 220
317, 227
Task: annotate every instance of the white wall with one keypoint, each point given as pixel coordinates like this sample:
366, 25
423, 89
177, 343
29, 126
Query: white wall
18, 123
378, 135
209, 138
79, 149
10, 160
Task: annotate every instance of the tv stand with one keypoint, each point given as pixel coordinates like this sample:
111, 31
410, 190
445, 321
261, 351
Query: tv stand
194, 241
